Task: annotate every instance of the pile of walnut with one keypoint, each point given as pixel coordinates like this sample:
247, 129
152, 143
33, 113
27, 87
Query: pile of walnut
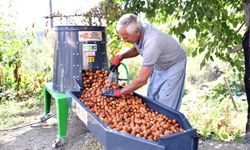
128, 114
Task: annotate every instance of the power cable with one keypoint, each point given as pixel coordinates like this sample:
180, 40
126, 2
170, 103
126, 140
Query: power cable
43, 119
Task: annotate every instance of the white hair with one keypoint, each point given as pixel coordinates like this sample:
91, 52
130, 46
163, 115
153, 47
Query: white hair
130, 22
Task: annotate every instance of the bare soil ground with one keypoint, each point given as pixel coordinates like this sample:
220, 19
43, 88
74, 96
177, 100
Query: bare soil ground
41, 136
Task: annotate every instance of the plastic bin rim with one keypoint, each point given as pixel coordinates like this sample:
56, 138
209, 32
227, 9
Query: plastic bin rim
108, 129
191, 131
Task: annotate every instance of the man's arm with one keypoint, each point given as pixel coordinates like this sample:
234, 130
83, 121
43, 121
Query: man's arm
130, 53
141, 80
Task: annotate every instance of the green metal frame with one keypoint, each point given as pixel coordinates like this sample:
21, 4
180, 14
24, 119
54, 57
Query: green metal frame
62, 108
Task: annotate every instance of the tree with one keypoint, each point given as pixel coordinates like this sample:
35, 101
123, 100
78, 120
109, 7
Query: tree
12, 44
246, 46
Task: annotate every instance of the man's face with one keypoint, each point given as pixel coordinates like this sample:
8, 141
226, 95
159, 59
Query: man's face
129, 38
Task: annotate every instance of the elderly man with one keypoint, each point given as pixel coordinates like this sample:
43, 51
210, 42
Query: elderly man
164, 61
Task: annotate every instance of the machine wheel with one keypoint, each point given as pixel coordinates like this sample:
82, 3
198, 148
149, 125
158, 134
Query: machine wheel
58, 143
45, 117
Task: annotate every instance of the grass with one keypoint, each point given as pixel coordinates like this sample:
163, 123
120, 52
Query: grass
14, 113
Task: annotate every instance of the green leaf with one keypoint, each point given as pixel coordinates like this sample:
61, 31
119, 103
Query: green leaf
194, 53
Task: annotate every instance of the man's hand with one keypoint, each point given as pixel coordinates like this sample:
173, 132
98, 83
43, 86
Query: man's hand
112, 92
115, 63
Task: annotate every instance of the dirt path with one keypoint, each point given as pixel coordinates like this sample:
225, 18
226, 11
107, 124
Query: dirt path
40, 137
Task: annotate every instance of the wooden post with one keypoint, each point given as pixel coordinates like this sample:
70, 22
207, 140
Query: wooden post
50, 14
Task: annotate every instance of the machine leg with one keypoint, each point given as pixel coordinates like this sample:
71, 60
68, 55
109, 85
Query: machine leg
62, 108
62, 117
47, 104
47, 101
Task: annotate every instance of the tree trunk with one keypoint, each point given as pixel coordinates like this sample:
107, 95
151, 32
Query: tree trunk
246, 47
